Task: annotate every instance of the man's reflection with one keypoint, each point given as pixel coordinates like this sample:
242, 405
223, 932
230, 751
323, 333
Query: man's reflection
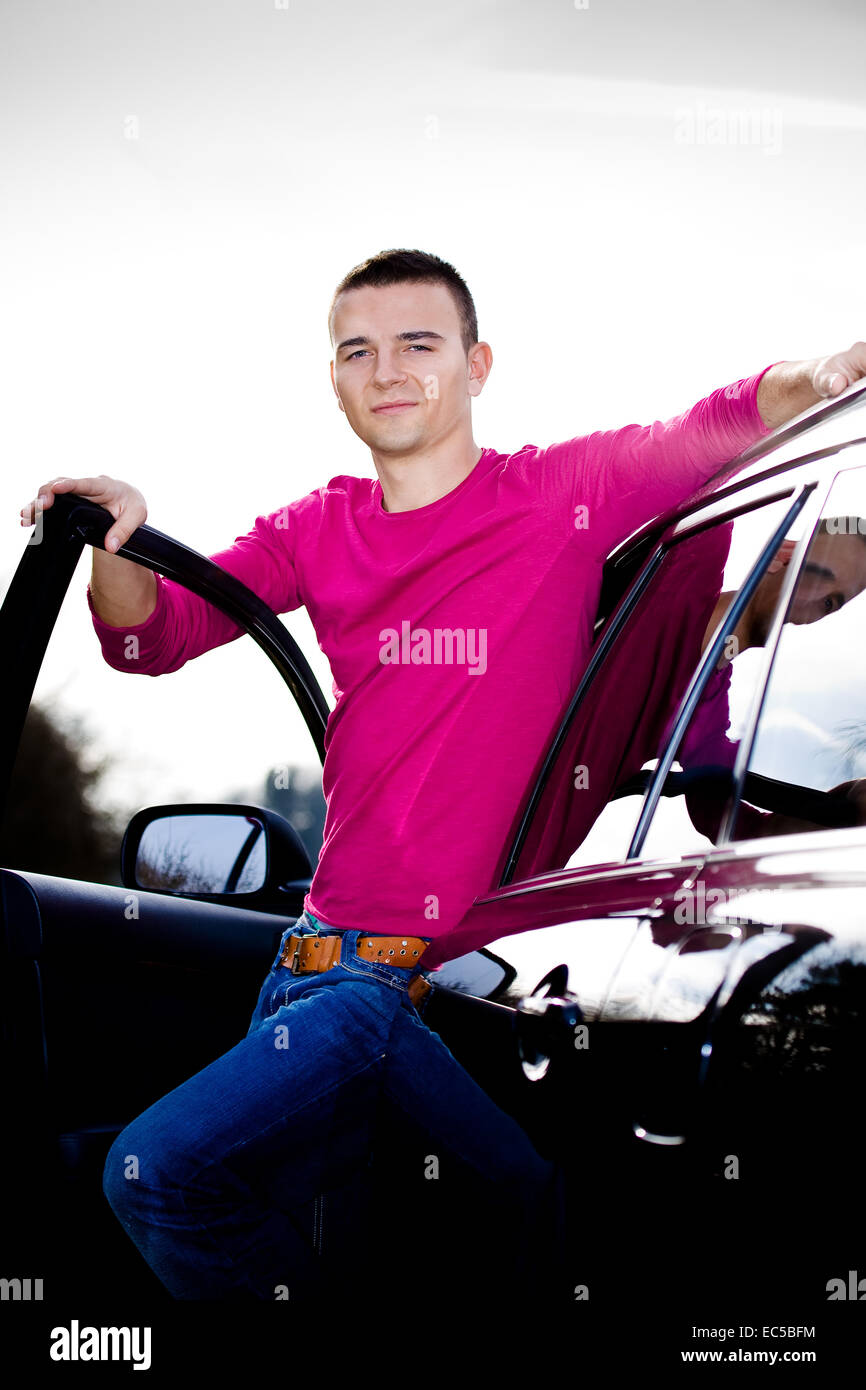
833, 573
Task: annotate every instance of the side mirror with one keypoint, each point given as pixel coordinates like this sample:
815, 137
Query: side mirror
235, 854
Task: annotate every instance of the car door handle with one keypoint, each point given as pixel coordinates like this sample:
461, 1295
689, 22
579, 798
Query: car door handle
544, 1021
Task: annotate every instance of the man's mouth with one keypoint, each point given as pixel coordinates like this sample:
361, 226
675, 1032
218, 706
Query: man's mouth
393, 407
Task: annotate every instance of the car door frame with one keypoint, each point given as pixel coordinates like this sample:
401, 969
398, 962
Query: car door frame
41, 581
733, 501
758, 493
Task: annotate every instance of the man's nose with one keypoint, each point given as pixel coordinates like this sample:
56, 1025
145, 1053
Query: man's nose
389, 369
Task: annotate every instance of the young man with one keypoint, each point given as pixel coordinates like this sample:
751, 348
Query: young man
454, 596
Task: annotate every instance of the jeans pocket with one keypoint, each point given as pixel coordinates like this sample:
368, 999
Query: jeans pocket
271, 986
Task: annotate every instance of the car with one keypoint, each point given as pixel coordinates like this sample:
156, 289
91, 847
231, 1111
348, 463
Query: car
664, 983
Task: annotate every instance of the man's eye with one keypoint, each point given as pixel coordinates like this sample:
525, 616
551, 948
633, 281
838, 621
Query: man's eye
356, 353
422, 346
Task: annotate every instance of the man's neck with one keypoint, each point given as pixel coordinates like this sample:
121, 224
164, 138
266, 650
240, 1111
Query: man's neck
417, 479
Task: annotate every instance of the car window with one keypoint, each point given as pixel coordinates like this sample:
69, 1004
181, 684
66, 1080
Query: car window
590, 802
689, 814
100, 743
807, 768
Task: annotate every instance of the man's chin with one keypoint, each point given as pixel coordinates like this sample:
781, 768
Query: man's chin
393, 441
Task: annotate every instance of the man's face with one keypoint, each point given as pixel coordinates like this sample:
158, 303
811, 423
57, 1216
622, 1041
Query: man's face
401, 343
833, 573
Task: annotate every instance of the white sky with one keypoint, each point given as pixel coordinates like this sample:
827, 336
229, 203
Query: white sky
165, 296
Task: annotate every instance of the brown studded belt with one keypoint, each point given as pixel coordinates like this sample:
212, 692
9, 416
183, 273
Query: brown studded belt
305, 953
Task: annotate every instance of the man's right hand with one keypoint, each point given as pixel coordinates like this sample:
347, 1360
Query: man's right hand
123, 593
125, 503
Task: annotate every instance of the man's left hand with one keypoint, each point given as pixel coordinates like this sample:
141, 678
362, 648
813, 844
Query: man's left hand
788, 388
832, 374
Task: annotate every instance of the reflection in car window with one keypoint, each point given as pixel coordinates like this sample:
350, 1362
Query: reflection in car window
590, 949
807, 769
701, 780
589, 806
697, 789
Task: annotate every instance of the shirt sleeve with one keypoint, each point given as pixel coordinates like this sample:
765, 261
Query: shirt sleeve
705, 742
611, 482
183, 626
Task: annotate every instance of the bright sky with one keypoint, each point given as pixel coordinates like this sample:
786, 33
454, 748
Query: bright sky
646, 202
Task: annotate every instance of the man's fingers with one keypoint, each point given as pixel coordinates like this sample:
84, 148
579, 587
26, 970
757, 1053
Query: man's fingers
116, 537
40, 502
93, 488
854, 361
828, 379
832, 383
31, 510
834, 373
129, 520
125, 504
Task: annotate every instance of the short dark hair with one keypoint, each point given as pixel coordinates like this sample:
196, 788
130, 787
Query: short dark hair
394, 267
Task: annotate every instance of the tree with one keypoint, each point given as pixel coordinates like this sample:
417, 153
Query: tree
53, 823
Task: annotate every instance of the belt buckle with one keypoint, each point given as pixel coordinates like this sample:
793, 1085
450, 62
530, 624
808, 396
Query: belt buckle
299, 937
293, 964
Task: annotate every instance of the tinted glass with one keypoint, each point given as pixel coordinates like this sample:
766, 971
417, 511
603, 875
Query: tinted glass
591, 800
807, 768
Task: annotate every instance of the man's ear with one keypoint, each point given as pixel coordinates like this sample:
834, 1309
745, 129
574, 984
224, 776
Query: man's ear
782, 556
480, 362
336, 392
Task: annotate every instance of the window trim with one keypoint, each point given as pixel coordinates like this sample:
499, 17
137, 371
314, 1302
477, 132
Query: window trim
774, 637
701, 676
753, 493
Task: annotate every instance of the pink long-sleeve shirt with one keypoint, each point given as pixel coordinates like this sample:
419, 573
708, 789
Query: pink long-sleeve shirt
456, 633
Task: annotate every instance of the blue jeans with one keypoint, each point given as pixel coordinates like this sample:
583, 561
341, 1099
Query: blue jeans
253, 1179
